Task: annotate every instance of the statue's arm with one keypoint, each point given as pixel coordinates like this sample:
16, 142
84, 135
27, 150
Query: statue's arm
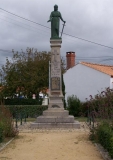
62, 18
50, 18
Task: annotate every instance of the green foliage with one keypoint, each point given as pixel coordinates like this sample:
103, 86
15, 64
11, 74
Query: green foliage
74, 105
103, 134
101, 104
100, 107
22, 101
26, 110
6, 124
26, 74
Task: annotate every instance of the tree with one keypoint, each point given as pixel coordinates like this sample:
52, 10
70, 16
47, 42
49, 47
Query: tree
26, 74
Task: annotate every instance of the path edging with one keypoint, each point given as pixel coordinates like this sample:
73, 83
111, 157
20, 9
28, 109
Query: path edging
6, 144
105, 155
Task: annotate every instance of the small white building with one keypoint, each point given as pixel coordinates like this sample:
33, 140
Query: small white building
85, 79
45, 98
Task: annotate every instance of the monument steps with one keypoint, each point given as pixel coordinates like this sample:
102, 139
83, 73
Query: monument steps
58, 113
75, 125
55, 119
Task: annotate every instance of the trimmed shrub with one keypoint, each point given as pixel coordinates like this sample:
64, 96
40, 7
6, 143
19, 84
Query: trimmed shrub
26, 110
22, 101
74, 106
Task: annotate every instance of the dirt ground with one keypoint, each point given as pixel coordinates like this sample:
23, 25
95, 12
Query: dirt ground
51, 145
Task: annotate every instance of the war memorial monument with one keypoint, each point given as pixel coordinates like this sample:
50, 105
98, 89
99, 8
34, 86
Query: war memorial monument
55, 116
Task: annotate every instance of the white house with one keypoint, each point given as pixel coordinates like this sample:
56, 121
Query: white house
85, 79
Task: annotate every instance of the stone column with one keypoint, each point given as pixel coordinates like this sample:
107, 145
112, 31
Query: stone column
55, 94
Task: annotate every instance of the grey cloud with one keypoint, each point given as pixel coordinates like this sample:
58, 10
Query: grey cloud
91, 20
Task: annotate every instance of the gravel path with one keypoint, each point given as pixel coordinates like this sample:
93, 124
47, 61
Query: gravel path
61, 144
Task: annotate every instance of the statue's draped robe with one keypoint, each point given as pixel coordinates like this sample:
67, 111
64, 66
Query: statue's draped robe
55, 16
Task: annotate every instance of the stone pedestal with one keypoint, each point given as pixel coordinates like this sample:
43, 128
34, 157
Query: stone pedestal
55, 116
55, 81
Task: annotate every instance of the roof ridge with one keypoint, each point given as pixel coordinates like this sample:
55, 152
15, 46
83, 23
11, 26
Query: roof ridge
107, 69
96, 64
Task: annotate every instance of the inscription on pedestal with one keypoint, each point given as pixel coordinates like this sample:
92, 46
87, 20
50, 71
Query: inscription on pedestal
55, 106
55, 64
55, 83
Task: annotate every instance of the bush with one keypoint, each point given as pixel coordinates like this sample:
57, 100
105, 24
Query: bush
103, 134
102, 104
105, 137
6, 124
74, 105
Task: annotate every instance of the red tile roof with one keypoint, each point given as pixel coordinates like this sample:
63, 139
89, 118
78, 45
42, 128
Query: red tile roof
100, 67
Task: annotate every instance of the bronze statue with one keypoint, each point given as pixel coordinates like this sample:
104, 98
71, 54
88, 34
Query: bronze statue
55, 17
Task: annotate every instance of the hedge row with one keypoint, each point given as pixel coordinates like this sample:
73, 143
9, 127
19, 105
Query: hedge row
21, 101
26, 110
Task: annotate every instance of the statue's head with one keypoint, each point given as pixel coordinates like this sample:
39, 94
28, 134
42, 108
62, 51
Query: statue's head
55, 7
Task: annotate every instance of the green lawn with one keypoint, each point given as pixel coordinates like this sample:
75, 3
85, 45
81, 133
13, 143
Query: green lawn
30, 119
81, 119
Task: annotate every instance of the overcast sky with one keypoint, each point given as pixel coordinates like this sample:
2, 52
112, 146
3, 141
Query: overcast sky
90, 20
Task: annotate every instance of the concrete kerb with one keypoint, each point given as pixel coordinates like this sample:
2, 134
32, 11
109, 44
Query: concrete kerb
5, 144
103, 152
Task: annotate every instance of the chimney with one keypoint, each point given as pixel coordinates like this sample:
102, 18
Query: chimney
70, 59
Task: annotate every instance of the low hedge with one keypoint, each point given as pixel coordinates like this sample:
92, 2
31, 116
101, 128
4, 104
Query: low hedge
26, 110
22, 101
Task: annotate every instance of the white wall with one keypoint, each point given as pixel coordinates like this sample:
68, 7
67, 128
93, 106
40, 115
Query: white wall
83, 81
111, 83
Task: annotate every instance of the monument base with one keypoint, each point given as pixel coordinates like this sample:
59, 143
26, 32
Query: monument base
55, 118
75, 125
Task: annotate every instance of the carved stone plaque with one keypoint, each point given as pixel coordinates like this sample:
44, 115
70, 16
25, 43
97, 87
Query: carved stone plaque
55, 64
55, 83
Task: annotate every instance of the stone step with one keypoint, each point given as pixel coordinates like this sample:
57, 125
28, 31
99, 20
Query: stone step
55, 119
58, 113
75, 125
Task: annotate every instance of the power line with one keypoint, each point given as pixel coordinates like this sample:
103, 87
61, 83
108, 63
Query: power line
24, 26
92, 57
50, 28
24, 18
8, 51
103, 58
88, 41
